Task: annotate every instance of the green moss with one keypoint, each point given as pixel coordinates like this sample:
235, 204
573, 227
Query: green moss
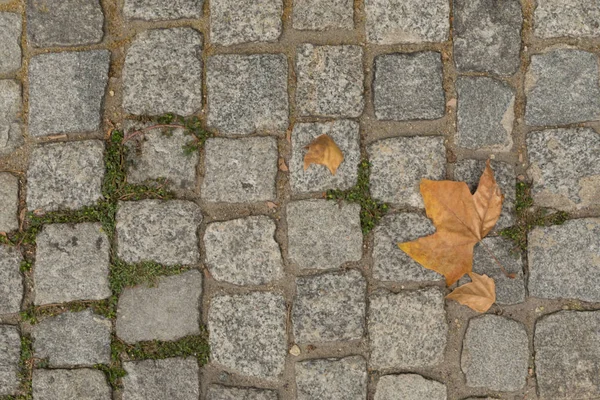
107, 308
124, 275
192, 126
189, 346
25, 369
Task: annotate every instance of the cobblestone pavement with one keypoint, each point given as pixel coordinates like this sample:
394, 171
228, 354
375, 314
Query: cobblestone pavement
133, 240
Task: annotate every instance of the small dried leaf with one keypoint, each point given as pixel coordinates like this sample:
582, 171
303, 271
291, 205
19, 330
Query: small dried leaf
324, 151
479, 294
271, 205
282, 166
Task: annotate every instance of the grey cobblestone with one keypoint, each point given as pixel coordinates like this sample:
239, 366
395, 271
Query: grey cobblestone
80, 384
555, 18
156, 10
410, 387
172, 378
10, 353
10, 37
332, 379
323, 15
11, 282
9, 202
10, 116
217, 392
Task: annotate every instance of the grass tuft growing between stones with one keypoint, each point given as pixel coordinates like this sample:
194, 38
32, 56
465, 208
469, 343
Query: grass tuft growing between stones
192, 126
25, 371
105, 308
125, 275
189, 346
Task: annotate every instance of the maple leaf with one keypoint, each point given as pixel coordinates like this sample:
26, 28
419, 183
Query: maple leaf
479, 294
324, 151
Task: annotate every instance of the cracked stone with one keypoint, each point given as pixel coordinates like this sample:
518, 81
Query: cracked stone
332, 379
321, 15
11, 282
10, 355
556, 18
80, 384
9, 202
10, 37
410, 387
157, 10
11, 136
171, 378
245, 21
218, 392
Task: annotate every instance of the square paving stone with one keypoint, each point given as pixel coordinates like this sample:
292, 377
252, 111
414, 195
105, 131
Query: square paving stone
487, 36
80, 384
562, 87
392, 264
66, 91
11, 281
332, 379
318, 178
557, 18
321, 15
248, 333
323, 234
71, 263
156, 10
64, 22
11, 135
65, 175
169, 310
73, 339
9, 202
244, 21
240, 170
10, 354
564, 260
567, 355
243, 251
409, 86
218, 392
495, 353
402, 21
407, 329
409, 387
329, 81
172, 378
329, 307
163, 73
162, 231
247, 93
565, 168
10, 37
399, 164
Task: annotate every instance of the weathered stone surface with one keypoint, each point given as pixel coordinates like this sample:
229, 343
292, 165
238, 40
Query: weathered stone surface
556, 18
10, 37
172, 378
409, 387
71, 263
10, 354
243, 21
562, 87
154, 10
66, 91
392, 264
160, 231
64, 22
318, 178
487, 36
73, 339
564, 260
332, 379
10, 110
247, 93
329, 81
9, 202
11, 282
323, 234
218, 392
80, 384
329, 307
240, 170
409, 86
169, 310
243, 251
399, 164
163, 73
413, 21
565, 168
65, 175
495, 353
247, 333
323, 15
567, 355
408, 329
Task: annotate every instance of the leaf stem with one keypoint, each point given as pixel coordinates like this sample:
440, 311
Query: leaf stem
511, 276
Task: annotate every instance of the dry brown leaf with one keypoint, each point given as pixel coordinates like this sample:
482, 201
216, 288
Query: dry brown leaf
282, 166
324, 151
271, 205
479, 294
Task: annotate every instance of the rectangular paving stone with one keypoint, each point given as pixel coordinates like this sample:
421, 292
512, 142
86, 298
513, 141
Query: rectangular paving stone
409, 86
487, 36
332, 379
240, 170
562, 87
409, 387
80, 384
330, 81
10, 354
171, 378
11, 281
10, 37
156, 10
321, 15
66, 91
11, 135
556, 18
243, 21
218, 392
163, 73
72, 263
564, 260
9, 202
65, 175
162, 231
247, 93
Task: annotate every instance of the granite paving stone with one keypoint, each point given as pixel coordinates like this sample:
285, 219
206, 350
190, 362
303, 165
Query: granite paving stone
243, 251
65, 175
407, 329
332, 379
321, 15
10, 37
167, 310
9, 202
329, 81
157, 10
163, 73
66, 91
11, 136
399, 164
171, 378
160, 231
323, 234
495, 353
248, 333
218, 392
409, 387
244, 21
409, 86
80, 384
555, 18
10, 354
11, 281
564, 260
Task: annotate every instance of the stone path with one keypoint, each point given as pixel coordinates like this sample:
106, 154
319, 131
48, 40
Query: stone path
132, 243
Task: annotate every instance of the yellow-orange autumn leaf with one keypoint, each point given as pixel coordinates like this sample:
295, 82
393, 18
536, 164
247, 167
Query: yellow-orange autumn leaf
324, 151
479, 294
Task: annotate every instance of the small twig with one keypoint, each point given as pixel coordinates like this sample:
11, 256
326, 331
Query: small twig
511, 276
150, 128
